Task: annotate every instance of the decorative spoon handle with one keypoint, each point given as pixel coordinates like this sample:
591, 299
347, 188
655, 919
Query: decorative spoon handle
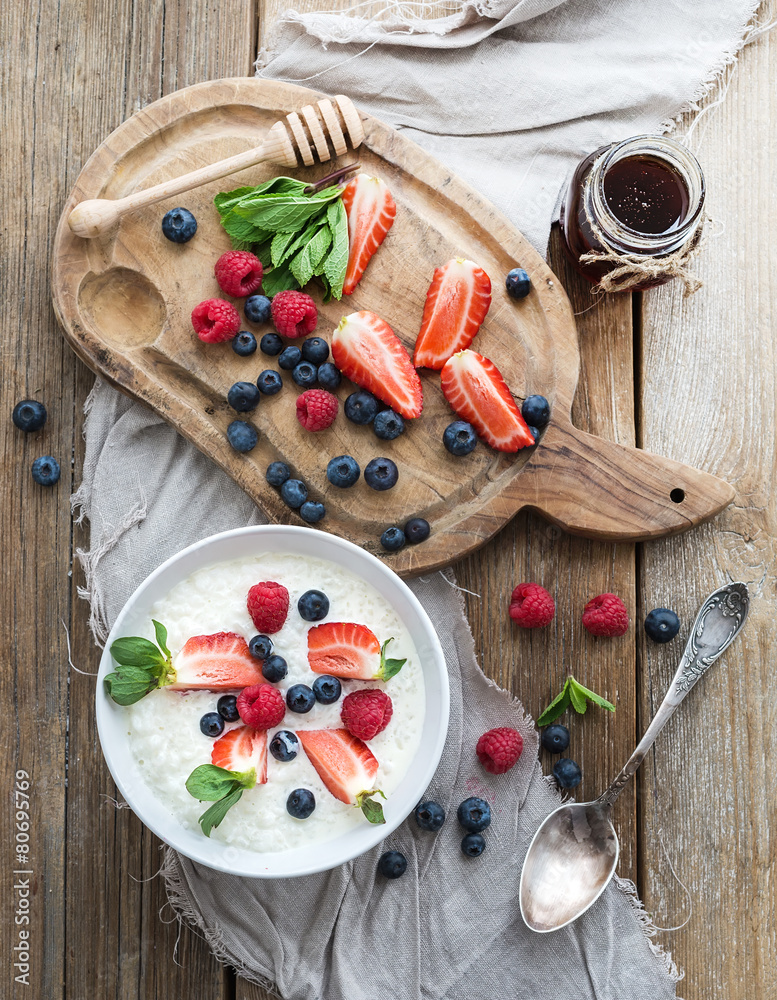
718, 623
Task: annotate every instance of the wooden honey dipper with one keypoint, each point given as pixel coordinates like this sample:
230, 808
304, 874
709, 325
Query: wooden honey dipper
307, 134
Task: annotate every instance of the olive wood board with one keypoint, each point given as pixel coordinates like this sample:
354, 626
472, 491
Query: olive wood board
125, 300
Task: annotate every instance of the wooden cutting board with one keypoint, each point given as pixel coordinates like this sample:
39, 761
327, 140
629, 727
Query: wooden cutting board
125, 302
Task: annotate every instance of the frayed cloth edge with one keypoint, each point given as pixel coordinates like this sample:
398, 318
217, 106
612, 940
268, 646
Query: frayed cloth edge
629, 890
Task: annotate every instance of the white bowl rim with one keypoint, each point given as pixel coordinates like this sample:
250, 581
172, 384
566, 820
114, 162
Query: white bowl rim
368, 835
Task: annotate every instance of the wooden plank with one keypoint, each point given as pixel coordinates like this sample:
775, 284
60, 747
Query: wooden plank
707, 395
76, 73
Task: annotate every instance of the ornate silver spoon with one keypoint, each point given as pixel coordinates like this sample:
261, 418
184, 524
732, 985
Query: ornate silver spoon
573, 854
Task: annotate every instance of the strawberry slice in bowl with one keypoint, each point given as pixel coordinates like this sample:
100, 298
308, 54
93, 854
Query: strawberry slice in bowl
369, 353
347, 767
456, 304
476, 390
345, 649
371, 211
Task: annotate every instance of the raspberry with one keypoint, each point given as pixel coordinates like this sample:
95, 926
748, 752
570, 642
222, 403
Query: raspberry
531, 606
268, 605
215, 320
499, 749
366, 713
316, 409
294, 314
238, 273
261, 706
606, 615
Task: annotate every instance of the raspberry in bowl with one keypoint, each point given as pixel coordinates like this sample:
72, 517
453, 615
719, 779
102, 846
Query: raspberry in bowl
155, 745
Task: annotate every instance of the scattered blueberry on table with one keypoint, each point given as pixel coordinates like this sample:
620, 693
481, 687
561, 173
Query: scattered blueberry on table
518, 283
388, 425
274, 668
555, 738
313, 606
244, 344
212, 724
284, 746
474, 814
29, 415
329, 376
244, 397
271, 345
45, 470
662, 624
305, 374
567, 772
179, 225
289, 358
360, 407
536, 411
327, 689
315, 350
258, 309
269, 382
473, 845
342, 471
277, 473
417, 530
294, 493
300, 699
459, 438
242, 436
312, 511
392, 864
429, 816
227, 708
301, 803
381, 474
393, 539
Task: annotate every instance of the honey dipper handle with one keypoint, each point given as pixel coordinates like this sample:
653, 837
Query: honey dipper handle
97, 216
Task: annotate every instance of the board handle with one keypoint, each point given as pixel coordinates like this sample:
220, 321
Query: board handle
599, 489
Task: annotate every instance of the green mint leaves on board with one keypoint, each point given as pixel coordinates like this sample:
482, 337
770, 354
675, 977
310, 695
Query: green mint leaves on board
373, 811
296, 235
141, 666
223, 788
573, 693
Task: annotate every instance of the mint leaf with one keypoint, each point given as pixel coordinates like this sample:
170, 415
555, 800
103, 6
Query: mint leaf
136, 652
577, 697
129, 684
141, 666
592, 695
337, 259
373, 811
279, 245
279, 213
557, 707
279, 279
161, 637
306, 261
213, 816
226, 200
209, 782
388, 668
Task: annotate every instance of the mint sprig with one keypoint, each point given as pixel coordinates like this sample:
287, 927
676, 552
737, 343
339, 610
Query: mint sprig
373, 811
223, 788
296, 233
141, 666
388, 668
575, 694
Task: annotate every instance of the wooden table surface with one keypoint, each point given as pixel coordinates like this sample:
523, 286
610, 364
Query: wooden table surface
689, 378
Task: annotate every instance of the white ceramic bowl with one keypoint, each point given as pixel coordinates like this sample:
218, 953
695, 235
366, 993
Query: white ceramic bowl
314, 857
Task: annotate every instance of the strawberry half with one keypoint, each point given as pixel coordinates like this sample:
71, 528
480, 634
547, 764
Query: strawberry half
216, 662
456, 304
370, 210
347, 767
478, 393
344, 649
240, 750
369, 353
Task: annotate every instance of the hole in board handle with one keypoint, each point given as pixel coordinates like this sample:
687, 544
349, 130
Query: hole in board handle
677, 495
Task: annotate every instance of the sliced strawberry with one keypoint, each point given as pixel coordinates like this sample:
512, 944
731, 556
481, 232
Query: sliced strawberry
344, 649
371, 210
369, 353
240, 750
478, 393
344, 763
216, 662
456, 305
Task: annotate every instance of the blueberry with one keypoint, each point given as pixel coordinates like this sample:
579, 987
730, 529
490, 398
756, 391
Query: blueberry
567, 772
313, 606
393, 539
460, 438
417, 530
277, 473
300, 698
227, 708
474, 814
242, 436
29, 415
312, 511
360, 407
274, 668
342, 471
381, 474
179, 225
661, 625
315, 350
327, 689
388, 425
305, 375
257, 309
429, 816
392, 864
243, 397
536, 411
473, 845
244, 343
211, 724
518, 283
329, 377
535, 432
301, 803
284, 746
260, 646
45, 470
271, 345
294, 493
269, 382
290, 357
555, 738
